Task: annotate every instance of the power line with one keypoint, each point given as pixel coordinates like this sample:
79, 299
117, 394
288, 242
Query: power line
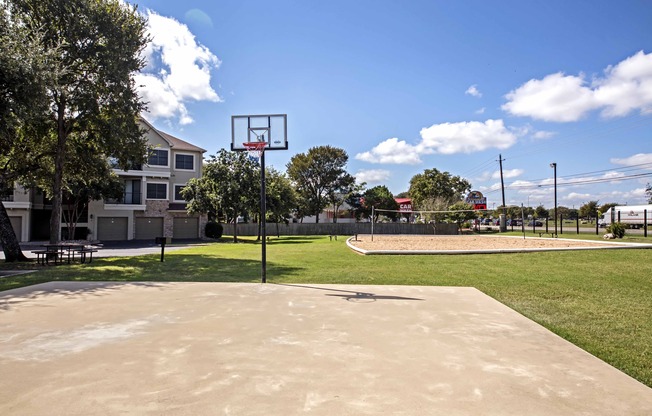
574, 175
582, 182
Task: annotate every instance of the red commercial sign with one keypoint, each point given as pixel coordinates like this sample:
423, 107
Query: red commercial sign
476, 199
404, 204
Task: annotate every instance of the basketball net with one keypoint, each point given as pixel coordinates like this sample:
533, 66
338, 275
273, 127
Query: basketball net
255, 149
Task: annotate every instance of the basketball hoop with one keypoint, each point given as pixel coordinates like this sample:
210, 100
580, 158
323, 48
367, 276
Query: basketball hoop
255, 149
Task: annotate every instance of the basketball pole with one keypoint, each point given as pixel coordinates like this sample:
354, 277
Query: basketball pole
263, 214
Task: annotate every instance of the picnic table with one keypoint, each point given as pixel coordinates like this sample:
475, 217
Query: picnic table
64, 251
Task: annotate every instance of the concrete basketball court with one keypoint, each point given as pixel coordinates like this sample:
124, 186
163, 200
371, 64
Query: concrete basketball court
250, 349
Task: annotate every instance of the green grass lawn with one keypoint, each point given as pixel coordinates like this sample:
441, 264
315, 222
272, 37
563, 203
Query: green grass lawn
599, 300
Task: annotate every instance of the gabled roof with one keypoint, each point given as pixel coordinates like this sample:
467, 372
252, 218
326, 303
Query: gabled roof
174, 142
178, 144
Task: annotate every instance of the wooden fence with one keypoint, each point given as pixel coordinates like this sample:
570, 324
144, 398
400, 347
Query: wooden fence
343, 229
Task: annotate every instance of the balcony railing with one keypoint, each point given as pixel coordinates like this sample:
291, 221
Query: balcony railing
113, 162
128, 198
7, 198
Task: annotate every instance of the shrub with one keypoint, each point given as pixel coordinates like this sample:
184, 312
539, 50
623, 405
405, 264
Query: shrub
617, 229
214, 230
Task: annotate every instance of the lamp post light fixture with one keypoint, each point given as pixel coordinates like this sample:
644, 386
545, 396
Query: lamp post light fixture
553, 165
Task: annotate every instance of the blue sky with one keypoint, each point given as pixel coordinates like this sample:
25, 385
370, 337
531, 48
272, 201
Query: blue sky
413, 85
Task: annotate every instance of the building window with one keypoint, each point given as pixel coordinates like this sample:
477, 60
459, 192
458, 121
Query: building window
157, 191
184, 162
158, 157
177, 192
6, 193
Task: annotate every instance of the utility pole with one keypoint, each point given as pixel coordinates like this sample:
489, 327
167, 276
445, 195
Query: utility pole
503, 219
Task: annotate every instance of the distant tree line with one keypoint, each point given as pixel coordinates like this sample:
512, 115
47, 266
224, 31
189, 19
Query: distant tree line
229, 190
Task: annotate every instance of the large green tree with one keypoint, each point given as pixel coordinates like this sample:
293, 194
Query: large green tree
280, 197
461, 212
562, 212
605, 207
23, 80
541, 212
345, 193
90, 179
379, 197
318, 176
589, 210
94, 49
435, 185
230, 183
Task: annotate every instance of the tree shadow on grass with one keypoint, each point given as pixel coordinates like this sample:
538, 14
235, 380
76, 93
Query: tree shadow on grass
273, 239
149, 268
295, 239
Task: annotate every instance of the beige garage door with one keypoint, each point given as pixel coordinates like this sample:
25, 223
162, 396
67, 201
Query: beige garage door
148, 228
186, 228
111, 228
17, 225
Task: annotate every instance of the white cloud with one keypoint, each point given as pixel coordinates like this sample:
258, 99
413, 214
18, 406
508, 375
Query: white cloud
466, 137
392, 151
624, 88
445, 138
372, 176
473, 91
613, 175
496, 186
480, 111
639, 193
178, 70
541, 134
556, 97
637, 159
507, 174
575, 196
631, 197
521, 184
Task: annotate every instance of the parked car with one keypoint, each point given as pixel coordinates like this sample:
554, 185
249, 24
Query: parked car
535, 224
515, 222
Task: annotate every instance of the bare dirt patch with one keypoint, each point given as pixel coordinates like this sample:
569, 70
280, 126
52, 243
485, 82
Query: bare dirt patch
466, 243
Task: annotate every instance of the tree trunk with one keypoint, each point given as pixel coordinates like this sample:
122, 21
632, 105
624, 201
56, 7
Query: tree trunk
55, 219
10, 245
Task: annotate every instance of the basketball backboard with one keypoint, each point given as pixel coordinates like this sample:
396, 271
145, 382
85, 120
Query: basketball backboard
271, 128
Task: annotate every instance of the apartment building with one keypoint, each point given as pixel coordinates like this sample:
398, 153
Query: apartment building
151, 205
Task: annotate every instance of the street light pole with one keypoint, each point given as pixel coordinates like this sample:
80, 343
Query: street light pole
553, 165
